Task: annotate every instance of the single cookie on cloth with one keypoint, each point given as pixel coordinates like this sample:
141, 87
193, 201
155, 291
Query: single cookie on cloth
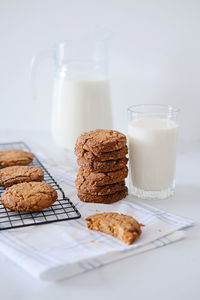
29, 196
105, 166
88, 178
102, 156
102, 190
106, 199
101, 140
18, 174
124, 227
15, 158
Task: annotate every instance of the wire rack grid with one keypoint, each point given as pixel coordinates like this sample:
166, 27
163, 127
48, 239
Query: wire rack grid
62, 210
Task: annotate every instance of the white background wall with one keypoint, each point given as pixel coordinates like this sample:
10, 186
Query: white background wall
155, 55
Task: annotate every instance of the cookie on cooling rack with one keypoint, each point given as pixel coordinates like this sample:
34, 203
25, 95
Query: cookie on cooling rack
29, 196
15, 158
18, 174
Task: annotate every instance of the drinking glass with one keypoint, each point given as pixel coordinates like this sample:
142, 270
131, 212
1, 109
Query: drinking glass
152, 135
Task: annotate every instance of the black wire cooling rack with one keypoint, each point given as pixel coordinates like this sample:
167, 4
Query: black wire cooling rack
62, 210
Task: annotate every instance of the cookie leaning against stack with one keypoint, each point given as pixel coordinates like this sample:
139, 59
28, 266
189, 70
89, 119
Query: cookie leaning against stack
101, 156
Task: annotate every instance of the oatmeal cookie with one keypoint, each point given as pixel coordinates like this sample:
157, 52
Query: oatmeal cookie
105, 166
102, 190
124, 227
88, 178
15, 158
101, 140
29, 196
102, 156
106, 199
18, 174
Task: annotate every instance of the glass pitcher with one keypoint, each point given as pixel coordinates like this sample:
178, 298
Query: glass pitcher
81, 93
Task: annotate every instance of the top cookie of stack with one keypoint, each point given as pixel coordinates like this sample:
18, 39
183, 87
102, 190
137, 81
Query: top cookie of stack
101, 155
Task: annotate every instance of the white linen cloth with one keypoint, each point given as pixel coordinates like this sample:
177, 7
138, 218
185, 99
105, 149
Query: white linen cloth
59, 250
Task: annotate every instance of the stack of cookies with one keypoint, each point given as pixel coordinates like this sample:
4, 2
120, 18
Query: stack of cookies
101, 156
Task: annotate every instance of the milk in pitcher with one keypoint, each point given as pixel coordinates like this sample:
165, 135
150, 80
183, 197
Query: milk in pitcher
78, 106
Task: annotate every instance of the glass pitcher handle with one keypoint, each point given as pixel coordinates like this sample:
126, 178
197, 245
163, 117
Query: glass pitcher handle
35, 62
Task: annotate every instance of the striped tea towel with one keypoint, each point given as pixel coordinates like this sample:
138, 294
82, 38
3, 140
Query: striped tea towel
59, 250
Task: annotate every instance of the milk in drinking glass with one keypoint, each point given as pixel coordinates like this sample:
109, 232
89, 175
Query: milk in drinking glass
152, 134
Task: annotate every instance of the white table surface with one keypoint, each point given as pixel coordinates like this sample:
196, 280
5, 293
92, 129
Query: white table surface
171, 272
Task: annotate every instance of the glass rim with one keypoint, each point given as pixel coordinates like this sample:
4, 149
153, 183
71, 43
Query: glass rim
170, 109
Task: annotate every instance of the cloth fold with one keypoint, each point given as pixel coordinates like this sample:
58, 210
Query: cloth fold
61, 250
